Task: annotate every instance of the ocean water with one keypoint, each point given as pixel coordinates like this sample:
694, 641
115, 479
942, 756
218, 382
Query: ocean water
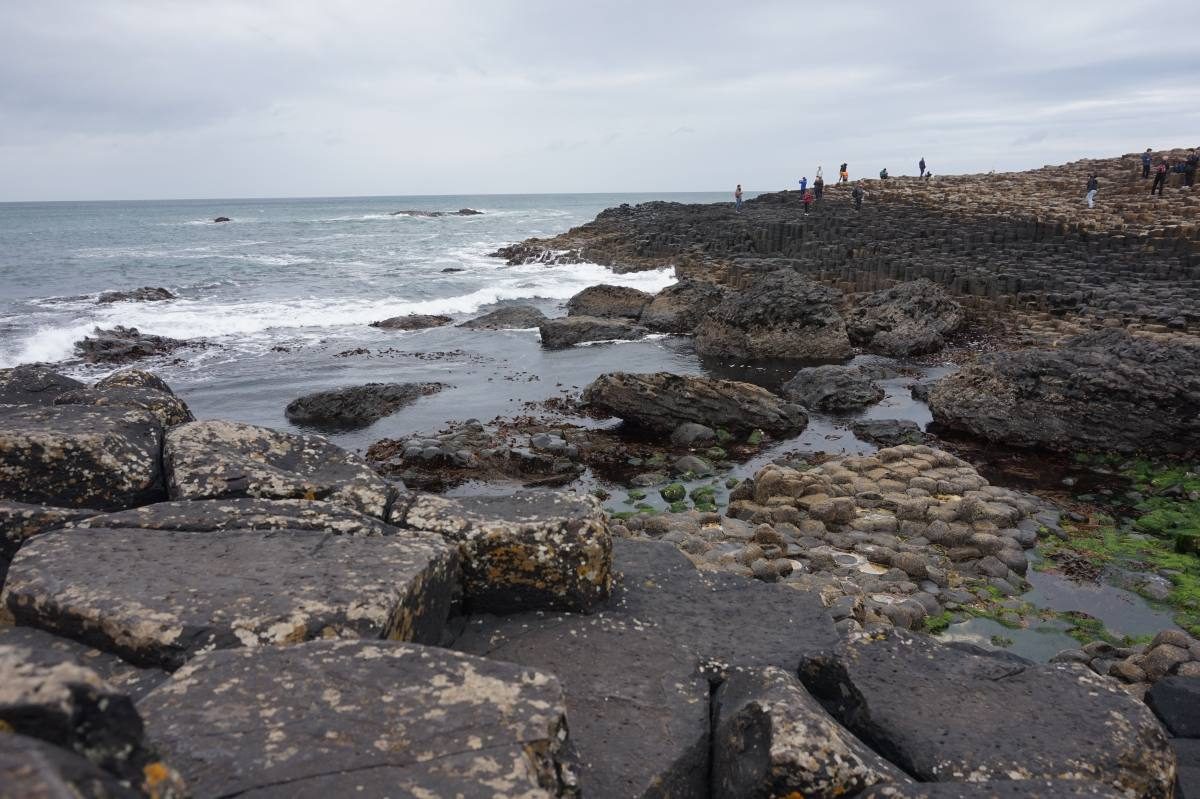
287, 287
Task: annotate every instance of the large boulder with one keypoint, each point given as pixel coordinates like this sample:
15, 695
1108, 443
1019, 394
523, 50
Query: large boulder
637, 672
124, 344
38, 647
771, 738
662, 401
780, 315
33, 769
570, 330
1176, 701
238, 513
33, 385
138, 593
833, 388
355, 406
889, 432
941, 713
362, 718
609, 302
412, 322
526, 551
135, 389
1101, 391
143, 294
511, 317
81, 456
908, 319
211, 459
679, 307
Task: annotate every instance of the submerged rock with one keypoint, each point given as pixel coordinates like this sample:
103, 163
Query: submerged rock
662, 401
212, 459
33, 385
609, 302
144, 294
1102, 391
528, 551
911, 318
833, 388
1026, 722
680, 308
370, 718
513, 317
356, 406
570, 330
124, 344
137, 593
412, 322
780, 315
79, 456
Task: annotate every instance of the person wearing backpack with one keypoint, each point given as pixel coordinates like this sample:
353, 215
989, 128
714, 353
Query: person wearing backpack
1093, 186
1160, 177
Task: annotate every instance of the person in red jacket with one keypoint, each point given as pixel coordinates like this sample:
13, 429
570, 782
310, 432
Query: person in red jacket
808, 201
1160, 177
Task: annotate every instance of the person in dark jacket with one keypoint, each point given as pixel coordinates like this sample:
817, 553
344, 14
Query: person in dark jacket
1146, 159
858, 195
883, 175
1189, 168
818, 186
1160, 177
921, 164
1093, 186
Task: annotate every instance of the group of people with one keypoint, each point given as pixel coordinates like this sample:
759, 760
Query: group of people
809, 197
1187, 167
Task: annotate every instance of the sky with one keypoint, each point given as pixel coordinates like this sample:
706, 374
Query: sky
146, 99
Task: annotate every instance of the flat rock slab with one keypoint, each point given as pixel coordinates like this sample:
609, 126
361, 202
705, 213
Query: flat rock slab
33, 385
352, 407
240, 513
516, 317
1001, 789
530, 550
33, 769
20, 521
1176, 701
206, 460
942, 714
771, 738
362, 718
157, 598
412, 322
163, 405
45, 649
638, 669
571, 330
79, 456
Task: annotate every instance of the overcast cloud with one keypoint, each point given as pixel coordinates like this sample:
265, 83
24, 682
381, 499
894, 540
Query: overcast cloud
158, 99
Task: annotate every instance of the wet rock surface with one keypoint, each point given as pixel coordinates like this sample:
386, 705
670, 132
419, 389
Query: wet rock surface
144, 294
636, 672
163, 405
609, 302
833, 388
362, 718
412, 322
1104, 391
779, 315
1176, 700
679, 308
81, 456
889, 432
1025, 722
913, 318
355, 406
33, 385
124, 344
20, 521
528, 550
515, 317
662, 401
996, 789
136, 592
214, 459
571, 330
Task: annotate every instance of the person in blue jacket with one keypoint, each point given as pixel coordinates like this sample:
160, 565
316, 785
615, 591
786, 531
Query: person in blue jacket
803, 184
1146, 159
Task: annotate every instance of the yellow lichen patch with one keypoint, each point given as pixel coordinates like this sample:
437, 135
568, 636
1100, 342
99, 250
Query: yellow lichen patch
156, 774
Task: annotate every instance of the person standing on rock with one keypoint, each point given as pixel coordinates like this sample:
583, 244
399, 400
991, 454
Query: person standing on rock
808, 201
818, 185
1189, 168
803, 185
843, 174
858, 195
1146, 159
921, 165
1160, 177
1093, 186
737, 198
820, 174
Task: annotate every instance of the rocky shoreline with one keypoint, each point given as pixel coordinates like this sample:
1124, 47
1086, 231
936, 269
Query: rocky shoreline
211, 608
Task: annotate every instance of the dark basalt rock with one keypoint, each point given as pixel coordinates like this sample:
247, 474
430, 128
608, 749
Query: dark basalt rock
133, 378
1103, 391
889, 432
214, 459
43, 649
996, 789
1025, 722
79, 456
662, 401
780, 315
167, 408
770, 738
343, 718
609, 302
33, 385
240, 513
138, 594
634, 671
144, 294
908, 319
222, 219
833, 388
570, 330
680, 307
33, 769
124, 344
20, 521
435, 214
356, 406
1176, 701
530, 550
514, 317
412, 322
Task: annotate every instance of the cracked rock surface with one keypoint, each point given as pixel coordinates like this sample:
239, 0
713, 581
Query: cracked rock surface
239, 513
